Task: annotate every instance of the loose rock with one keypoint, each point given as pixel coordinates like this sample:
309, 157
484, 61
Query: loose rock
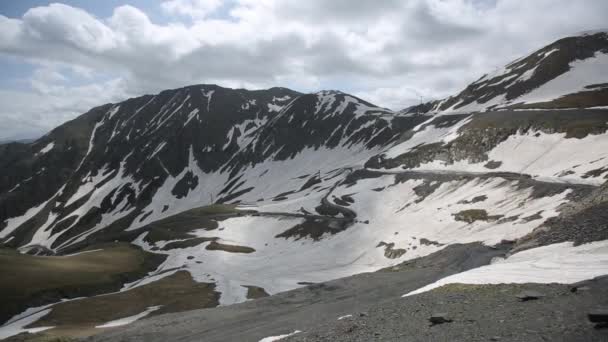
598, 315
439, 318
529, 295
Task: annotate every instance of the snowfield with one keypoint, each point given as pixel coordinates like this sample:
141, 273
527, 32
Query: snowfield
17, 324
544, 156
582, 73
549, 157
561, 263
395, 215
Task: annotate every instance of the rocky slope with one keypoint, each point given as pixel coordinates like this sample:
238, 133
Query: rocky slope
246, 194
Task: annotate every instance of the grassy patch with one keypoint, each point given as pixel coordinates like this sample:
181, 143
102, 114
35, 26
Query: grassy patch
472, 215
314, 229
459, 287
188, 243
180, 225
474, 200
27, 280
390, 251
216, 246
176, 293
215, 209
255, 292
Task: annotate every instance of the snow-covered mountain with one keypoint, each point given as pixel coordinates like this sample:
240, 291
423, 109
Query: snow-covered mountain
569, 73
124, 165
273, 189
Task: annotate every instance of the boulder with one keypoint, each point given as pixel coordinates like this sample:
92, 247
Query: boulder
529, 295
439, 318
598, 315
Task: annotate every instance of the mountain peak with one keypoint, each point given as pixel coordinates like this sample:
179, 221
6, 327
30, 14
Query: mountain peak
568, 73
592, 32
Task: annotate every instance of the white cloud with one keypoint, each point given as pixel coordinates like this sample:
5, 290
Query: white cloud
33, 113
388, 52
191, 8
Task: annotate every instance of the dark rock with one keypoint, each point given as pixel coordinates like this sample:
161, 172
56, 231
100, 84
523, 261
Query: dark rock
598, 315
439, 318
575, 289
529, 295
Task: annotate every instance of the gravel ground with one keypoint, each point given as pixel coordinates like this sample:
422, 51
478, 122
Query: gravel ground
304, 308
478, 313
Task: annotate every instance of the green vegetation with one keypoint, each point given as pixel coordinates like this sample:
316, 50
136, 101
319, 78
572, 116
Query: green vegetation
255, 292
179, 226
188, 243
27, 280
313, 229
216, 246
175, 293
472, 215
215, 209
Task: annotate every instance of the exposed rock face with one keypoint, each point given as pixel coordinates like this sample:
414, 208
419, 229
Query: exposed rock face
107, 166
482, 132
508, 87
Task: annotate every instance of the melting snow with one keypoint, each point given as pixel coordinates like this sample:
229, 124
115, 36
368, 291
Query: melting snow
91, 143
89, 185
14, 222
17, 324
113, 111
281, 99
130, 319
208, 95
279, 337
191, 115
582, 73
47, 148
429, 135
157, 150
541, 155
546, 54
274, 108
558, 263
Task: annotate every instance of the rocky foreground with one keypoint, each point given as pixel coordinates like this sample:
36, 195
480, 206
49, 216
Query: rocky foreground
523, 312
370, 307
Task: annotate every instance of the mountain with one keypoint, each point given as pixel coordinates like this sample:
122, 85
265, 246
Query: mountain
230, 195
569, 73
124, 165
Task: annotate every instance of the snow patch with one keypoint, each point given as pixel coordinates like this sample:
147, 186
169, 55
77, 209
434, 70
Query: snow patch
582, 73
208, 95
113, 111
561, 263
130, 319
47, 148
17, 324
279, 337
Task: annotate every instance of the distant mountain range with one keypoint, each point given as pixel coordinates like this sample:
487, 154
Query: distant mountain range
22, 141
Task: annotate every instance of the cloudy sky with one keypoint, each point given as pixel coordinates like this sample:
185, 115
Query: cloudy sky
57, 60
